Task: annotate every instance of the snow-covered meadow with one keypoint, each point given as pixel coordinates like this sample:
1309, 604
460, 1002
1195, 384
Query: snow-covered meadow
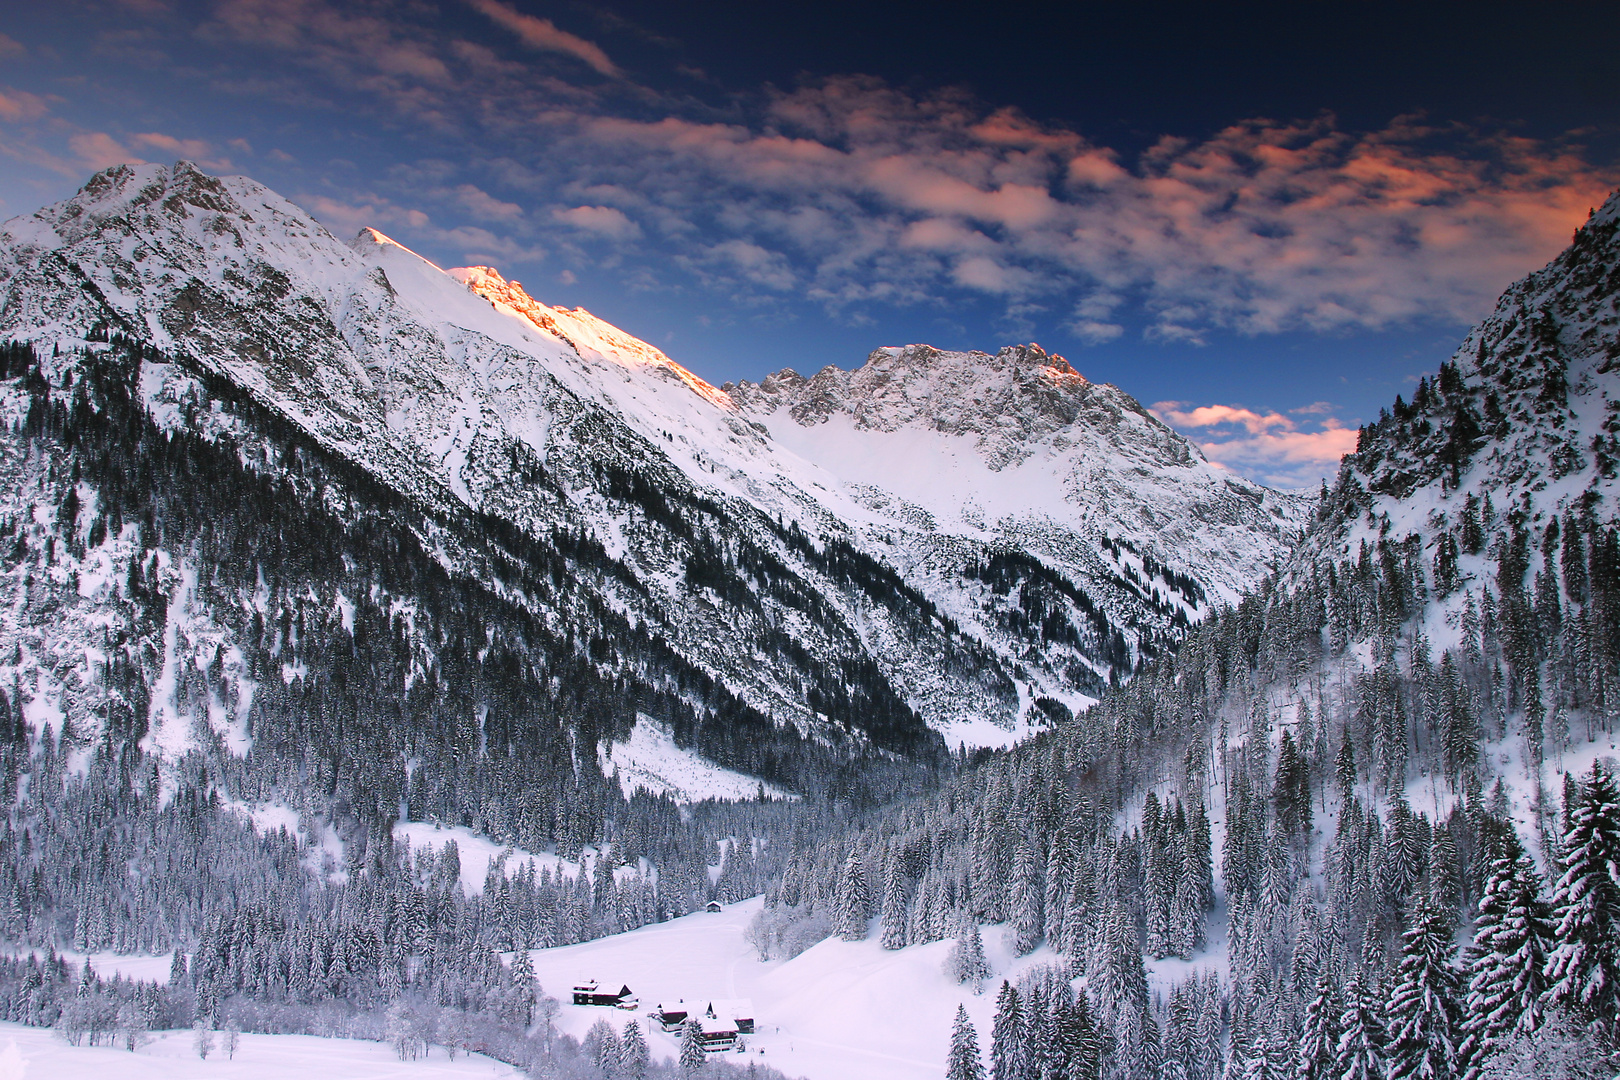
838, 1011
28, 1053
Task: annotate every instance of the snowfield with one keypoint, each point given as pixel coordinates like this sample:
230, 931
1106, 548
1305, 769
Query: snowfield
28, 1053
841, 1010
650, 759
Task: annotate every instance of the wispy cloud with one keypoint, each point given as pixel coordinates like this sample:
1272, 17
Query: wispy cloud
198, 150
19, 106
1262, 228
858, 196
605, 221
543, 34
469, 244
97, 150
1297, 449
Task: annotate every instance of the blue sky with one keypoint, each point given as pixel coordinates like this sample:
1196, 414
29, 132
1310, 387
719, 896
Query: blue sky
1263, 220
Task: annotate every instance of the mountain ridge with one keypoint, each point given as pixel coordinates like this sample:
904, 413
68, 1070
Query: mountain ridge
459, 390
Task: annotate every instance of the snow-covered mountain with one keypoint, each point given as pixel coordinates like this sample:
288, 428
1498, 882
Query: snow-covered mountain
1364, 822
1525, 415
1021, 447
956, 536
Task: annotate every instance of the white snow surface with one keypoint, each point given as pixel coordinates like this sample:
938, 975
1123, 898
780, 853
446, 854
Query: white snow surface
840, 1010
478, 854
169, 1056
650, 760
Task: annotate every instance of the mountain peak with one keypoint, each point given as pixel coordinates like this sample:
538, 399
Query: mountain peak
1009, 400
584, 331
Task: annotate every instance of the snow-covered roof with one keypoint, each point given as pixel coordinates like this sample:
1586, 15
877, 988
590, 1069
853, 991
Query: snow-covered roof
732, 1008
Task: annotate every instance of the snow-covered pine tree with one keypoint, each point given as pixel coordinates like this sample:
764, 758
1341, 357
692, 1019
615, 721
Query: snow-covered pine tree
1425, 1011
602, 1044
1087, 1062
966, 963
1068, 1039
1118, 980
893, 912
963, 1062
1513, 935
524, 989
1291, 792
1044, 1048
1026, 899
1060, 861
852, 903
1584, 969
1199, 859
634, 1056
1318, 1040
1360, 1053
1007, 1036
693, 1056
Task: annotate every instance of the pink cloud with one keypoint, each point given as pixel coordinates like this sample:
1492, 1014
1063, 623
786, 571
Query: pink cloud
192, 149
603, 220
864, 193
1215, 415
484, 205
1271, 447
543, 34
98, 150
465, 244
19, 106
1261, 228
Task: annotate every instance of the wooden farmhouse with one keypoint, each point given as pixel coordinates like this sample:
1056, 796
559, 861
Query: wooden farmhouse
592, 992
671, 1017
739, 1011
712, 907
718, 1034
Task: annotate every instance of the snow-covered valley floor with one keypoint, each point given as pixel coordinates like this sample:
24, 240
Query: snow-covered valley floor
839, 1011
43, 1056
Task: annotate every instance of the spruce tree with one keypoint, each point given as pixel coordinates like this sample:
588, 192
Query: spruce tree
1512, 937
966, 962
963, 1061
693, 1056
1026, 900
1425, 1013
893, 913
1319, 1039
634, 1056
1584, 969
1087, 1061
853, 904
1360, 1053
1007, 1036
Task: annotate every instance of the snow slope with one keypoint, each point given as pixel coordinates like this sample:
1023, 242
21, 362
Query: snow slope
838, 1011
650, 760
43, 1056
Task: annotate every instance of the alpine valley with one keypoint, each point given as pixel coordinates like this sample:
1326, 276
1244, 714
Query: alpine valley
375, 634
